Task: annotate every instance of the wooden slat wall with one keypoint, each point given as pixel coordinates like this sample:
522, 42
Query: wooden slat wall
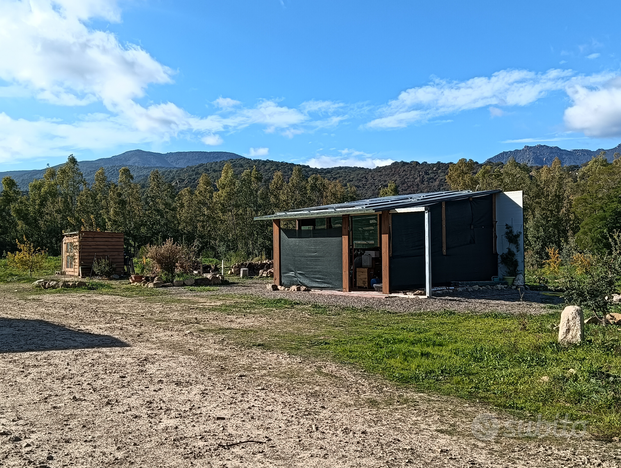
101, 245
385, 233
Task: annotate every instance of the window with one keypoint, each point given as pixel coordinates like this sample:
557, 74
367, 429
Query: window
69, 255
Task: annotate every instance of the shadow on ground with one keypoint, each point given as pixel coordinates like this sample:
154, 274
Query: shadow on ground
21, 335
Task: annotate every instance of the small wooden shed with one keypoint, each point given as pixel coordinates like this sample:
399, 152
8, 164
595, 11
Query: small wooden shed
80, 249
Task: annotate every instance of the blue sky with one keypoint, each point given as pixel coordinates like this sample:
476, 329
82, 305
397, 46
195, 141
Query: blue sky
319, 82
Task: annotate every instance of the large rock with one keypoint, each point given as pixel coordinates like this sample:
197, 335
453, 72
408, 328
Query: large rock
616, 298
614, 318
178, 283
571, 328
188, 281
272, 287
39, 283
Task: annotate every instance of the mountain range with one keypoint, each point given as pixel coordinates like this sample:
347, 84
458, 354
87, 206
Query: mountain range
139, 162
543, 155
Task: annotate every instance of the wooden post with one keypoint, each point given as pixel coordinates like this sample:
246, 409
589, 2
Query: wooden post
385, 222
443, 228
276, 227
345, 244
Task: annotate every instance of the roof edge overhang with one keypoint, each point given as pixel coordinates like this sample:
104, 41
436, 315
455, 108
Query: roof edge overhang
405, 206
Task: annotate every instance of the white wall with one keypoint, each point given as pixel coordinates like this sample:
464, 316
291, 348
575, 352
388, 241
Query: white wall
509, 210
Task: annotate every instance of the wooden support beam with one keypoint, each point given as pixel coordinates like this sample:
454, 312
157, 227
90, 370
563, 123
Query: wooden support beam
443, 228
276, 235
385, 233
345, 244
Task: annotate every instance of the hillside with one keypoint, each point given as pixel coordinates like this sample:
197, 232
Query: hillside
411, 177
140, 163
543, 155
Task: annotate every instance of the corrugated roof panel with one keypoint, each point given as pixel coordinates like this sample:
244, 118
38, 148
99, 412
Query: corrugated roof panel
373, 205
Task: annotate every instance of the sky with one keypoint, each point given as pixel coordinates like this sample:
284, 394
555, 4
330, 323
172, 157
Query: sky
317, 82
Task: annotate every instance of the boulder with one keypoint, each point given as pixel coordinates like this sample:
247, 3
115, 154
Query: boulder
282, 288
272, 287
52, 285
157, 284
178, 283
571, 328
616, 298
39, 284
115, 277
188, 281
202, 282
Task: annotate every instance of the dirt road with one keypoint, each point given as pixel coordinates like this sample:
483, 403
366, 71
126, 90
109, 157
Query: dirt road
95, 380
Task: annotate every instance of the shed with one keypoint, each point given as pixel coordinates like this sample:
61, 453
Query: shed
403, 242
80, 249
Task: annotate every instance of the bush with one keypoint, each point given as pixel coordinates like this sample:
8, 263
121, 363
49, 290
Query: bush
28, 258
103, 267
165, 257
594, 288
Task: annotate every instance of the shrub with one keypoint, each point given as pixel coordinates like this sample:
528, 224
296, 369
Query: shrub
189, 260
103, 267
553, 263
165, 257
594, 288
28, 257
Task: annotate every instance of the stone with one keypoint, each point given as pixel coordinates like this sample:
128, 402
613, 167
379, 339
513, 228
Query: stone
52, 285
282, 288
272, 287
616, 298
150, 285
39, 283
115, 277
305, 289
178, 283
202, 282
243, 273
592, 321
614, 318
216, 279
188, 281
571, 328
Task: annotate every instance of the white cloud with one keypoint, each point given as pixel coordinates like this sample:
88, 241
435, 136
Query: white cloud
496, 112
349, 157
595, 111
50, 53
593, 56
504, 88
258, 152
226, 103
212, 140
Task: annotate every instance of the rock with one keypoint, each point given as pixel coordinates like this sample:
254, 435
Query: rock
272, 287
592, 320
202, 282
178, 283
52, 285
188, 281
616, 298
150, 285
115, 277
80, 284
305, 289
571, 328
282, 288
39, 284
613, 318
157, 284
216, 279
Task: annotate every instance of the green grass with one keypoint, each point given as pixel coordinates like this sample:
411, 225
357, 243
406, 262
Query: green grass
200, 288
12, 275
510, 362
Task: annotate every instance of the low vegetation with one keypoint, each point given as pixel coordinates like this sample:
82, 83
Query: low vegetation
514, 363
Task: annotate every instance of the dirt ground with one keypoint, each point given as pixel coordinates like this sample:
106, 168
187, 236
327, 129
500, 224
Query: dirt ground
98, 380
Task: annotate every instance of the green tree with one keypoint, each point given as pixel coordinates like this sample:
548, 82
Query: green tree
159, 209
389, 191
461, 175
9, 199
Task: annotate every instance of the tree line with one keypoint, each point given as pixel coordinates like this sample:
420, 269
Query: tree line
568, 209
218, 216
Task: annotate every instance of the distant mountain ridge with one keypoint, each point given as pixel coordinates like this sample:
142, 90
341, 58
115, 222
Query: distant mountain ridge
543, 155
139, 162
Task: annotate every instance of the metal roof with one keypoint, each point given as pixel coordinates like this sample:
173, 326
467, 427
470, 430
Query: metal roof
374, 205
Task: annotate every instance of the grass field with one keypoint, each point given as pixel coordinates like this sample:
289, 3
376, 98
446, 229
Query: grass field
12, 275
514, 363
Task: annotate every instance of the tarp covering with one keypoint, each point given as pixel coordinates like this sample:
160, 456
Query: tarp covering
311, 258
469, 242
